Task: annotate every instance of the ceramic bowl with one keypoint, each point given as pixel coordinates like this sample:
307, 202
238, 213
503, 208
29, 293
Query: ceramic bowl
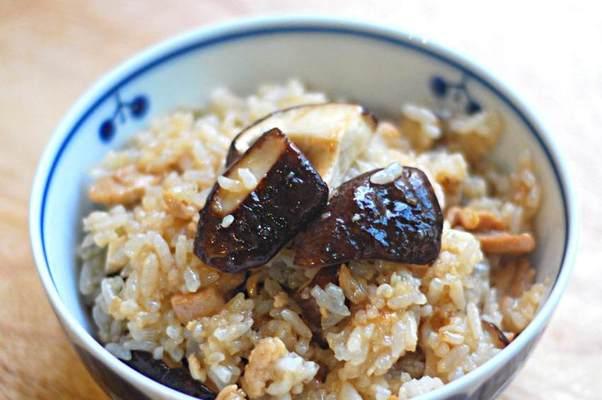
377, 66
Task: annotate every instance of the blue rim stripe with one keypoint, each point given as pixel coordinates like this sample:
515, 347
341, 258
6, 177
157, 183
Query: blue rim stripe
306, 29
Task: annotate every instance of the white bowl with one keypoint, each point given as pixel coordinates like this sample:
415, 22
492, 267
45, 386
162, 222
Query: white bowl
377, 66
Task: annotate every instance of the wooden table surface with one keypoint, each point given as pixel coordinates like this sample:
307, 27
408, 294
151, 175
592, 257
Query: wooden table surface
51, 51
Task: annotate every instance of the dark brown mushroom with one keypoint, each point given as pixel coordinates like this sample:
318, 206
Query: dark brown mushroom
309, 308
176, 378
413, 363
258, 205
497, 336
330, 135
390, 214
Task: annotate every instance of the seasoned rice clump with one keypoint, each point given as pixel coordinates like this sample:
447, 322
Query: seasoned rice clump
387, 330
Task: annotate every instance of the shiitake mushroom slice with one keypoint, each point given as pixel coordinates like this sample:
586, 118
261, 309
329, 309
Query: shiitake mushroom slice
387, 214
309, 307
330, 135
259, 205
176, 378
499, 338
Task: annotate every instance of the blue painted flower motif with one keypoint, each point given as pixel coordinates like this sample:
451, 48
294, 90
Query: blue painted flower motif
457, 92
473, 107
139, 106
438, 86
107, 130
136, 108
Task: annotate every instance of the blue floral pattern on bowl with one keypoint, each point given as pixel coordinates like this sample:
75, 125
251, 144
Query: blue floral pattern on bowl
191, 62
441, 88
457, 92
136, 108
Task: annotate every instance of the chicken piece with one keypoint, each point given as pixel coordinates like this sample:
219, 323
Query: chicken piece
475, 220
125, 185
191, 306
506, 243
330, 135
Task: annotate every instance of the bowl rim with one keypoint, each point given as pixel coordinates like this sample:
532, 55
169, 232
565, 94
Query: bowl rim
238, 28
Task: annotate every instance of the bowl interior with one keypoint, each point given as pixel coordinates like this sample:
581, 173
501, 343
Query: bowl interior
375, 69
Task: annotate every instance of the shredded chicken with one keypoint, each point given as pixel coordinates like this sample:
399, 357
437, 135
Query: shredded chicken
475, 220
506, 243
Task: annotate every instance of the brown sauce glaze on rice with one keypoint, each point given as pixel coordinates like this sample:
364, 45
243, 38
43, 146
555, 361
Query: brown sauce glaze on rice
367, 329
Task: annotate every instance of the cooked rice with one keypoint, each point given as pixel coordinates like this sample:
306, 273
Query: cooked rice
394, 331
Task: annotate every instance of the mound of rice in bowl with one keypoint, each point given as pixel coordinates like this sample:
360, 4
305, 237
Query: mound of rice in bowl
362, 329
